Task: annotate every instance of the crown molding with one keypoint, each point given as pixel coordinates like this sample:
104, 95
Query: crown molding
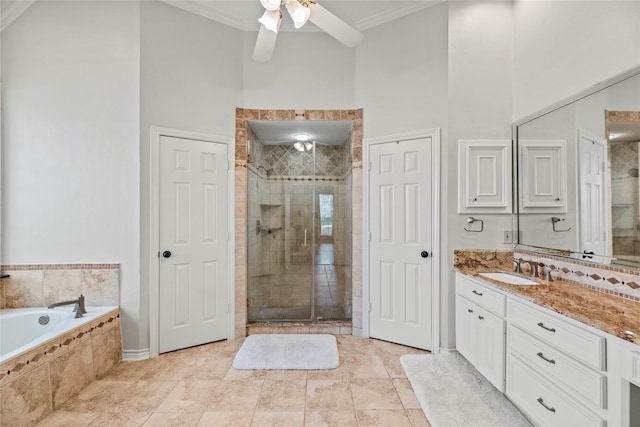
396, 13
11, 9
199, 8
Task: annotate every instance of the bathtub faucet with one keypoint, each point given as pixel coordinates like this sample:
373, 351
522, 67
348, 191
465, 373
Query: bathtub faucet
79, 308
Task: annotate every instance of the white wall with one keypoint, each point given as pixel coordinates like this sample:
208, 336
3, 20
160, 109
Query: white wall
308, 70
480, 66
401, 70
70, 161
563, 47
191, 79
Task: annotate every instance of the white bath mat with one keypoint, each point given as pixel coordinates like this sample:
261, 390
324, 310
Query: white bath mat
288, 351
453, 394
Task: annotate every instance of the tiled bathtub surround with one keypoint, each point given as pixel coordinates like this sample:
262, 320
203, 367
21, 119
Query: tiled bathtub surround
37, 285
34, 384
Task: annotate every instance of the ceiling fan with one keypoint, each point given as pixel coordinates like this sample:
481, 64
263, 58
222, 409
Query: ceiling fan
300, 11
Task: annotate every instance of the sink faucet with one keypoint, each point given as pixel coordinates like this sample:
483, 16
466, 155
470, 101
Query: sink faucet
518, 263
79, 308
534, 267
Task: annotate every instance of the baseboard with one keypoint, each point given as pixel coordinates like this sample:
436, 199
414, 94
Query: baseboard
134, 355
448, 350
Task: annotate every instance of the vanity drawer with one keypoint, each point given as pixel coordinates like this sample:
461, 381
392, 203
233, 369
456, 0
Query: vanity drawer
586, 385
542, 402
481, 295
577, 342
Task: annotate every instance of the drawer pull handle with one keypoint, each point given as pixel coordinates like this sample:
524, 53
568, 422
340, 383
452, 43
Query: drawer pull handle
548, 408
469, 310
541, 356
477, 293
481, 317
546, 328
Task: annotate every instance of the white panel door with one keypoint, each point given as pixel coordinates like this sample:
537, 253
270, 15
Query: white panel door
193, 243
401, 235
592, 165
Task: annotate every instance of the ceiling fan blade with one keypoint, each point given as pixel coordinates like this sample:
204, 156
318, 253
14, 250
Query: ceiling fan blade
334, 26
264, 44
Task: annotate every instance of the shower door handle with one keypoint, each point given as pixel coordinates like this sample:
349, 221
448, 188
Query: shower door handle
305, 238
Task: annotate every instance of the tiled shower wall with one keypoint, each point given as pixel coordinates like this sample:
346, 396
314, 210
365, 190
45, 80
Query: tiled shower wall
250, 177
37, 285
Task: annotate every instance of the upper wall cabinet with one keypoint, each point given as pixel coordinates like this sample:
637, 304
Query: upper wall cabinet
484, 176
544, 171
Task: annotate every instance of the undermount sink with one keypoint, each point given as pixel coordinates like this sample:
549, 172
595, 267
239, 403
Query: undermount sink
510, 278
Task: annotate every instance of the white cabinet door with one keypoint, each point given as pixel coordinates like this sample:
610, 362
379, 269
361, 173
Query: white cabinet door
466, 336
480, 338
491, 347
543, 175
484, 181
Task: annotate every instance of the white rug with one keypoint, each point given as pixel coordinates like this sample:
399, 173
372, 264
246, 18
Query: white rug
452, 393
288, 351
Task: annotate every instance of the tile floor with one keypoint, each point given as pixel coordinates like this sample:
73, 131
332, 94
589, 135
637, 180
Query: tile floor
198, 387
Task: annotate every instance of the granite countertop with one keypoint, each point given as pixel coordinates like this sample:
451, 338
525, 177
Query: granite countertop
611, 314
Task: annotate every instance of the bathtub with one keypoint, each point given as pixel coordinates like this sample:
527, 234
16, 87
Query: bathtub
22, 329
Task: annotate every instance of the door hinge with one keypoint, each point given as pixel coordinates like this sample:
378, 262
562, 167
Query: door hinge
370, 306
228, 164
228, 236
370, 167
369, 236
228, 308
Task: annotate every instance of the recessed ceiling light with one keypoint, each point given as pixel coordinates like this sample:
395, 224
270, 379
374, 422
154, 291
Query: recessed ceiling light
301, 137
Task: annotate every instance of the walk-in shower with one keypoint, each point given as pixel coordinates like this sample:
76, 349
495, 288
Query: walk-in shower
299, 231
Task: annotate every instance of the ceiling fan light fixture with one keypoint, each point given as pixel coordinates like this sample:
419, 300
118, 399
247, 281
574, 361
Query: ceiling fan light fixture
298, 146
271, 20
298, 13
270, 5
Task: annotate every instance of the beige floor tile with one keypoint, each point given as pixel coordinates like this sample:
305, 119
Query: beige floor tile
173, 419
361, 366
374, 394
278, 419
383, 417
282, 395
120, 419
143, 396
328, 395
331, 419
208, 368
234, 374
287, 374
198, 386
99, 396
171, 369
226, 419
125, 371
235, 396
417, 418
189, 396
68, 419
407, 396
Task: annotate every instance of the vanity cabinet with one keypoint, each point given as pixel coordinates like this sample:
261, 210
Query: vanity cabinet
480, 330
556, 370
559, 372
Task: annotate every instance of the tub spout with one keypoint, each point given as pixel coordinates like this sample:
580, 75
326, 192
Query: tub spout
79, 308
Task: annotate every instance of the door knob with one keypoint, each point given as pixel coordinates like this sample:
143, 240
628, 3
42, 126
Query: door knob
424, 254
166, 254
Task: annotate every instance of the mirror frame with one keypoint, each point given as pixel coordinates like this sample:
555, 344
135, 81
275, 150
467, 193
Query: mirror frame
633, 72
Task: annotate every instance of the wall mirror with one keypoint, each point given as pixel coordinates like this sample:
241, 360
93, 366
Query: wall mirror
577, 182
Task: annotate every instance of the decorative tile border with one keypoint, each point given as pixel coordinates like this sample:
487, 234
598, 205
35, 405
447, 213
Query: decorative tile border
620, 282
29, 267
